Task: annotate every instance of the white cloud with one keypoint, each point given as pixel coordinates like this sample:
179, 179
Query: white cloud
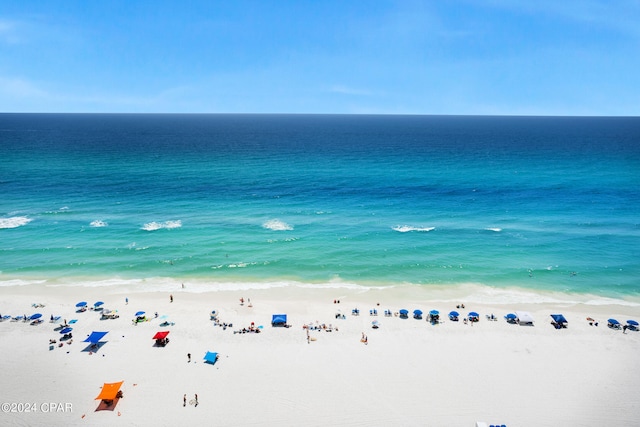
9, 32
346, 90
20, 88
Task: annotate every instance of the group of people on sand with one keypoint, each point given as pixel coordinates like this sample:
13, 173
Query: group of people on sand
193, 402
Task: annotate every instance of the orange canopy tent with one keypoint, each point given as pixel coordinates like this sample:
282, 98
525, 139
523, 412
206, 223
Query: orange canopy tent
160, 335
109, 391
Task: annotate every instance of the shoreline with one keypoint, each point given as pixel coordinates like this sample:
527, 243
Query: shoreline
474, 292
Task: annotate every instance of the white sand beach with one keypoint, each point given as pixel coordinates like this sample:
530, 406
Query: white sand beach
409, 372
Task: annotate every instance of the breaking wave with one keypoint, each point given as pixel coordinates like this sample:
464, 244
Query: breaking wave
14, 222
408, 228
277, 225
152, 226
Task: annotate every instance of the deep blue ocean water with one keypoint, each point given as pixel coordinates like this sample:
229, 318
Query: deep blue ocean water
546, 203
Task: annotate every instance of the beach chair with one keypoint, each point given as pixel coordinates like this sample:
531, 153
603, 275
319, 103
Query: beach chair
5, 317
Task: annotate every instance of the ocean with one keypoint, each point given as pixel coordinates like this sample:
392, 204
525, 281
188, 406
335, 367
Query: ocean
540, 203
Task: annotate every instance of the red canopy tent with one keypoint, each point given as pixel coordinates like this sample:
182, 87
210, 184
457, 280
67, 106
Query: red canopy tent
160, 335
109, 391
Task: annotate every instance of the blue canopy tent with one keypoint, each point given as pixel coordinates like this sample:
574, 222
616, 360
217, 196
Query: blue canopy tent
404, 313
95, 337
453, 316
211, 357
559, 321
434, 317
94, 341
279, 320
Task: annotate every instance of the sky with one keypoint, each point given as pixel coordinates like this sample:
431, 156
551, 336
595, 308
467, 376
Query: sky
481, 57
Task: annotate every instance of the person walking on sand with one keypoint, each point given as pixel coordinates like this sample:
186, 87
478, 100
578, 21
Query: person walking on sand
126, 300
188, 357
184, 400
170, 298
196, 400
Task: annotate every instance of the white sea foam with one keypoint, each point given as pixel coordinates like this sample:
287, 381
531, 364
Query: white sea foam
20, 282
277, 225
496, 229
98, 223
14, 222
168, 225
408, 228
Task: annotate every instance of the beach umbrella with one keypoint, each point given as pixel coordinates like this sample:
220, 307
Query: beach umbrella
510, 316
473, 314
417, 312
613, 321
98, 304
436, 313
404, 312
140, 313
81, 304
66, 330
35, 316
629, 322
454, 314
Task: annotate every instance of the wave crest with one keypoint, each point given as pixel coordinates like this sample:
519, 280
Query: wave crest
14, 222
152, 226
408, 228
277, 225
98, 223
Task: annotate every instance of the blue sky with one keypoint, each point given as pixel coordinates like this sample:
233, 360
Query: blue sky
542, 57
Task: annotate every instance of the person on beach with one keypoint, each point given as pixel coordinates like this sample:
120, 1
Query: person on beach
183, 286
184, 400
188, 357
126, 301
170, 298
196, 400
624, 329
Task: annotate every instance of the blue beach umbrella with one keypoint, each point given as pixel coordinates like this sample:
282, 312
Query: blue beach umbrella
404, 312
417, 312
98, 304
632, 323
510, 316
35, 316
140, 313
473, 314
454, 314
436, 313
613, 321
66, 330
81, 304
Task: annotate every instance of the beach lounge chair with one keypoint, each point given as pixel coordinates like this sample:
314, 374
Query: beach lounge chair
613, 324
5, 317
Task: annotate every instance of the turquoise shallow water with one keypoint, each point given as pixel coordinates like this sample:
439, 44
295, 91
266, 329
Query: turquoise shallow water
540, 203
